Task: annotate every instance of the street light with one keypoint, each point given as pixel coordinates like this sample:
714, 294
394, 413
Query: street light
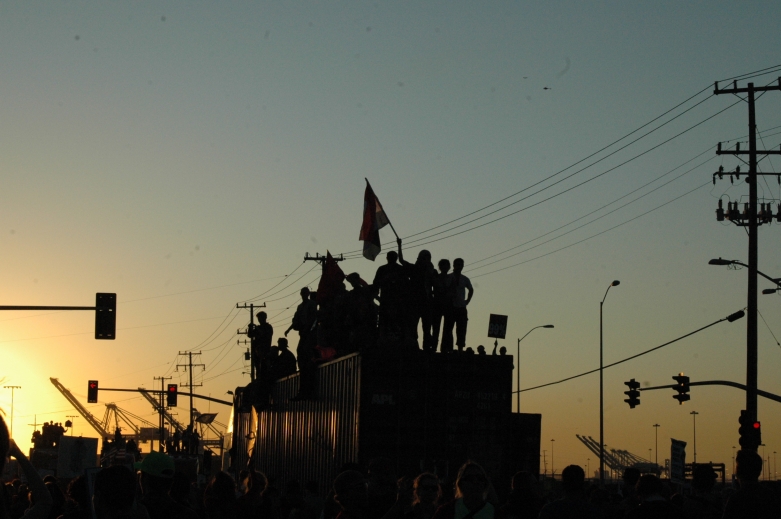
694, 416
751, 312
601, 394
552, 471
518, 367
12, 406
656, 429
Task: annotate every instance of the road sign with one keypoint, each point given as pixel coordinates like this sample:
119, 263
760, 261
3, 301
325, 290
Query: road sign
677, 461
497, 326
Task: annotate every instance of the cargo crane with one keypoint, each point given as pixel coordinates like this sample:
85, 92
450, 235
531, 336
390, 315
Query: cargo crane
114, 415
617, 459
168, 417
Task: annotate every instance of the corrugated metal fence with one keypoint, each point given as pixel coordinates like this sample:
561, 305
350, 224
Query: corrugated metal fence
310, 440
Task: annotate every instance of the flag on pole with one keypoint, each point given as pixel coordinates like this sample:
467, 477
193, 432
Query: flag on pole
374, 219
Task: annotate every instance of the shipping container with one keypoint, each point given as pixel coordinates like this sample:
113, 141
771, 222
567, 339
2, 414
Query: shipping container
420, 410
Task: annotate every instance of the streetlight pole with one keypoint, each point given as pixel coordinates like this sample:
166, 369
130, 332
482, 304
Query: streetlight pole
656, 430
694, 416
733, 461
601, 394
12, 388
552, 470
518, 368
588, 468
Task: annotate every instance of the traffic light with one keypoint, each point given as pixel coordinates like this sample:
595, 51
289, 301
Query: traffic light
633, 393
105, 316
171, 394
682, 387
92, 392
750, 432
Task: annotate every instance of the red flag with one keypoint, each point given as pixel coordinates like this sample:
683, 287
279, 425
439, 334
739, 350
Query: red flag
374, 219
332, 277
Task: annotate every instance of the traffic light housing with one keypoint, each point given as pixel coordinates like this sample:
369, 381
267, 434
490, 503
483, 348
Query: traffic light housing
633, 393
105, 316
171, 395
92, 392
750, 432
682, 387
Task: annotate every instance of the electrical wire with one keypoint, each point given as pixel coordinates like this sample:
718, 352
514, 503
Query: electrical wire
579, 184
622, 360
591, 221
593, 235
475, 263
758, 73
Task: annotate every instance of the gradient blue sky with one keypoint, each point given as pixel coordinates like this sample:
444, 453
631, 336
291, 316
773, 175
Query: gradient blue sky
187, 154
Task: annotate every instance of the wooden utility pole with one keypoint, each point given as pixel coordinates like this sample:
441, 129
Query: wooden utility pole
189, 366
750, 219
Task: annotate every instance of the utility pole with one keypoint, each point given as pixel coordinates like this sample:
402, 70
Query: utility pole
73, 425
161, 419
251, 309
694, 417
751, 219
189, 366
12, 406
321, 259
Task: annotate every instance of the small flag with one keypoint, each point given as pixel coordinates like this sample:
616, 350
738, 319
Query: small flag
374, 219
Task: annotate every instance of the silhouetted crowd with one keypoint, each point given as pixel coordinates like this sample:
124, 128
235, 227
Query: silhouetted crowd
334, 321
49, 435
159, 491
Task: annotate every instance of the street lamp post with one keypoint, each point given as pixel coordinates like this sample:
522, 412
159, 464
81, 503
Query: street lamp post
694, 416
588, 467
733, 461
751, 306
552, 470
601, 394
12, 388
656, 430
518, 368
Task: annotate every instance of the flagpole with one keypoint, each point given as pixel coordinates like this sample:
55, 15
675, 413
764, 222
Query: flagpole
386, 214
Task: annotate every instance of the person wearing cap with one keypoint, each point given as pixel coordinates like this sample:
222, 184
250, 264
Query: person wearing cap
157, 474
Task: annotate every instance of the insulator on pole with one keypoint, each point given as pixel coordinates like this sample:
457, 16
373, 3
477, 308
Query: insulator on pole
720, 213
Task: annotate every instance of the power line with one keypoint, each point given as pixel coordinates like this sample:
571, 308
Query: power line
474, 263
591, 221
593, 235
626, 359
764, 71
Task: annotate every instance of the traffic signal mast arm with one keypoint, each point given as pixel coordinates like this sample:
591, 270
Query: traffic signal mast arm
157, 392
105, 313
769, 396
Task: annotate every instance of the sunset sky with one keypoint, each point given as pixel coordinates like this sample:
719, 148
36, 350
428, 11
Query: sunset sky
187, 155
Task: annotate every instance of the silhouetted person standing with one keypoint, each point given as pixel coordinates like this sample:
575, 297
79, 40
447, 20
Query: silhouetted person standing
304, 322
652, 504
574, 503
389, 285
260, 336
460, 291
441, 304
753, 499
420, 296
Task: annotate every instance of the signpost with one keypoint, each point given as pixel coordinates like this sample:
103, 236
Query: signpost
497, 326
677, 461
